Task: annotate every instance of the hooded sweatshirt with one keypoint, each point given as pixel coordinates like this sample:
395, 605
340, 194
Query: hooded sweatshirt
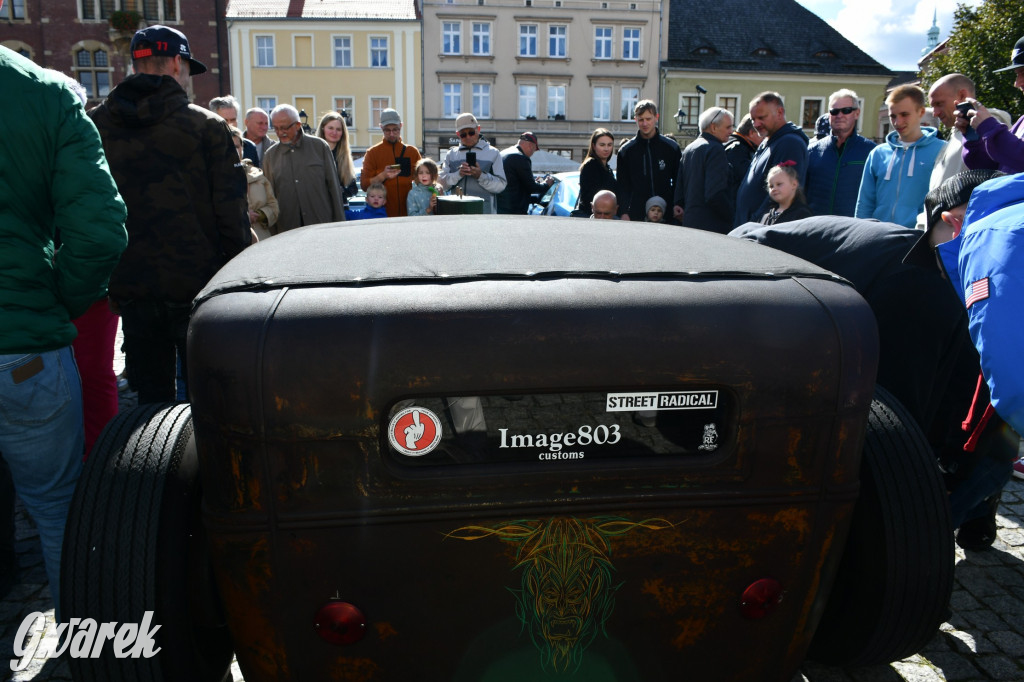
788, 143
177, 169
896, 177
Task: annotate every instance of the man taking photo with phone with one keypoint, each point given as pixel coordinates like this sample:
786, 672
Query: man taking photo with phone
474, 165
390, 163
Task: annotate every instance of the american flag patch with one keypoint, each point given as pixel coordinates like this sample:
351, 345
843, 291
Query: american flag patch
976, 291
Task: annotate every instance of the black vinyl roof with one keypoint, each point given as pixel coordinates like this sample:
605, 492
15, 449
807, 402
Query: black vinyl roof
771, 35
459, 248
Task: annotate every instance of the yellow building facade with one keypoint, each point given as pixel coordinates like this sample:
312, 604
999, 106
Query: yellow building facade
338, 56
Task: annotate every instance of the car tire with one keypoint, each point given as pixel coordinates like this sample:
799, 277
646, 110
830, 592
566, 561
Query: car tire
895, 578
134, 543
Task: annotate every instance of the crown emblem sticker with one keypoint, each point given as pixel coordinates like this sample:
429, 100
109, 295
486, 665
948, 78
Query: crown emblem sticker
414, 431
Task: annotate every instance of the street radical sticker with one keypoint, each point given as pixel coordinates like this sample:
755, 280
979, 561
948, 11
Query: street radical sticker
414, 431
676, 400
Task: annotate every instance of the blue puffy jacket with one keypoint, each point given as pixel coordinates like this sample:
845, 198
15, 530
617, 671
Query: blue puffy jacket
985, 265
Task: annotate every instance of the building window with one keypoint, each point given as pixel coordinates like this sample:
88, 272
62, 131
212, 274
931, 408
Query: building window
812, 108
603, 42
265, 51
527, 101
155, 11
631, 43
377, 105
556, 41
379, 51
481, 38
527, 40
690, 104
452, 98
482, 100
730, 102
451, 37
346, 106
91, 68
267, 104
602, 104
628, 102
13, 10
343, 51
556, 101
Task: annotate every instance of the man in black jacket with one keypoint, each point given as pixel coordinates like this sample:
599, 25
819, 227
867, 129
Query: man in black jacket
739, 151
647, 165
520, 187
702, 187
176, 167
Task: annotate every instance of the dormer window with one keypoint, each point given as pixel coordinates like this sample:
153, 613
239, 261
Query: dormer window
825, 54
763, 52
704, 51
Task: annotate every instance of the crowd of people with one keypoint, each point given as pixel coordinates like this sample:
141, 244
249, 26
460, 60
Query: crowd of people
156, 194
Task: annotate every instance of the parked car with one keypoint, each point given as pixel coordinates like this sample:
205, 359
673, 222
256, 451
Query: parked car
487, 448
560, 199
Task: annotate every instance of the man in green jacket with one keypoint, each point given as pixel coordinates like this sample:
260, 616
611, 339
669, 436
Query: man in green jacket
53, 176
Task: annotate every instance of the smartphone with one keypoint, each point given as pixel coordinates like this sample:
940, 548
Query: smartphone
395, 166
963, 108
471, 158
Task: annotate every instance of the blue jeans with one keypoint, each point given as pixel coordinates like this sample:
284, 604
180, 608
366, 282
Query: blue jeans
42, 440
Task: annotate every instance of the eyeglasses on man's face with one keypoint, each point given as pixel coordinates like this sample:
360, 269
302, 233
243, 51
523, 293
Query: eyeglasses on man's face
843, 110
281, 129
468, 132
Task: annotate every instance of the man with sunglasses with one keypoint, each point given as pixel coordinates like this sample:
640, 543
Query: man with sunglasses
835, 162
303, 173
176, 167
485, 176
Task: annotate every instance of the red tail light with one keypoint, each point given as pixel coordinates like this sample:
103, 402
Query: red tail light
339, 622
761, 598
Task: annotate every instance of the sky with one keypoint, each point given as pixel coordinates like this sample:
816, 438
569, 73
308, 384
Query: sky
894, 32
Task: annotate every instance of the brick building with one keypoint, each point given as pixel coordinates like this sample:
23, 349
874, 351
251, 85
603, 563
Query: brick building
85, 39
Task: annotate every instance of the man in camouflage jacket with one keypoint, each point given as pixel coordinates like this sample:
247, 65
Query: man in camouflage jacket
177, 169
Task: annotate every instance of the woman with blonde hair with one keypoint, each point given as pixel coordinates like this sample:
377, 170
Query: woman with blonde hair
334, 132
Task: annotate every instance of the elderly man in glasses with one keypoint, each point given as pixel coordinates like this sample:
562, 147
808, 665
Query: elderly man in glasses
473, 164
302, 172
835, 162
702, 186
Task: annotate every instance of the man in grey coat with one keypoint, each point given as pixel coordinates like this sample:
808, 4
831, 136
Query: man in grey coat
702, 187
302, 171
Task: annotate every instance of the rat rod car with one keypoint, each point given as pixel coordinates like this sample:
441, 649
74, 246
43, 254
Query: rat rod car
478, 448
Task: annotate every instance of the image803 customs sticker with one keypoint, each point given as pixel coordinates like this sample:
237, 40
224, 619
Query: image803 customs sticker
414, 431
